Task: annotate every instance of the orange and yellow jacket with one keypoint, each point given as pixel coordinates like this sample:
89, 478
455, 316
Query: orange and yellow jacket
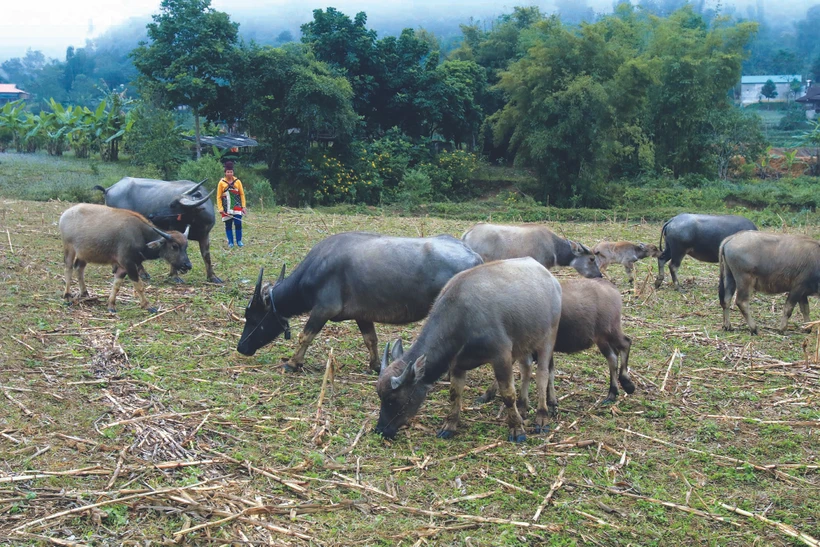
230, 197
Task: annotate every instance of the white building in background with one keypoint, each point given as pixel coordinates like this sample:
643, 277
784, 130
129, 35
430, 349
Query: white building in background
751, 88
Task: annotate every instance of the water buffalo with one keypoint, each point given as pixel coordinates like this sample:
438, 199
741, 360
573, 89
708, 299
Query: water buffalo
368, 277
499, 242
770, 263
698, 236
590, 315
497, 313
104, 235
170, 205
625, 253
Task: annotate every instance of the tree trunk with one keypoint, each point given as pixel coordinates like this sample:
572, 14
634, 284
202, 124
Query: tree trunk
196, 129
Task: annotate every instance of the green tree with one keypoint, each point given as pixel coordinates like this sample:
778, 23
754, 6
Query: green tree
769, 90
155, 138
189, 57
734, 133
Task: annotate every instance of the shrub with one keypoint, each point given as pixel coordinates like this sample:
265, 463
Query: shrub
415, 188
207, 167
155, 139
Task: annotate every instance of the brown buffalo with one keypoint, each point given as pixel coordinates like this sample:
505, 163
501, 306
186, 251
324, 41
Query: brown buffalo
772, 264
590, 315
624, 253
98, 234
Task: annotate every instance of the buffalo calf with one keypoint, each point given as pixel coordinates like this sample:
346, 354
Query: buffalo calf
772, 264
624, 253
98, 234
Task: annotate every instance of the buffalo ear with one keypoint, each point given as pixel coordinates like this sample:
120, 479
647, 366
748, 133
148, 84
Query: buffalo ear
155, 245
398, 350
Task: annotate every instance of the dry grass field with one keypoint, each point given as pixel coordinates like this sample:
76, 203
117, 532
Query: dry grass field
138, 429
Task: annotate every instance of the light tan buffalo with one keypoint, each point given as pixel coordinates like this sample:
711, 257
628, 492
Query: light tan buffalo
772, 264
98, 234
500, 242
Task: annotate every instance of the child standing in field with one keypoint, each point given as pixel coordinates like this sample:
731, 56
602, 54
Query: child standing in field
231, 200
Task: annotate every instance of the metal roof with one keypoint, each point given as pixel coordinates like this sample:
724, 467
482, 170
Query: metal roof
10, 88
226, 141
812, 95
776, 78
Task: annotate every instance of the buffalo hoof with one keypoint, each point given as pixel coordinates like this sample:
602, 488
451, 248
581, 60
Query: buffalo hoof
483, 399
84, 294
627, 384
610, 400
545, 428
446, 434
151, 309
112, 310
215, 279
753, 331
176, 279
145, 277
520, 438
728, 328
292, 368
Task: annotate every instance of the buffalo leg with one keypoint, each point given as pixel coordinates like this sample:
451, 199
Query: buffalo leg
68, 257
726, 291
205, 251
623, 373
742, 301
628, 266
792, 299
119, 277
502, 367
314, 324
142, 273
139, 288
372, 343
612, 360
804, 308
674, 264
450, 425
545, 385
525, 368
488, 395
661, 266
81, 264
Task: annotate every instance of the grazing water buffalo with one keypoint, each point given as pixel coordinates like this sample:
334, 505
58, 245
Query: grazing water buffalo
497, 242
496, 313
368, 277
104, 235
590, 314
170, 205
698, 236
770, 263
624, 253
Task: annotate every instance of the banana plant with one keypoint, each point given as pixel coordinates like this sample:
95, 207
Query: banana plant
13, 119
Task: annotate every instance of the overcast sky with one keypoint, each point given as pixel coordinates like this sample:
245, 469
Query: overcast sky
53, 25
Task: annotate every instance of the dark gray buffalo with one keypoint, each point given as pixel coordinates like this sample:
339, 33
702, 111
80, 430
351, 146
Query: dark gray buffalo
370, 278
772, 264
98, 234
500, 242
170, 205
698, 236
497, 313
590, 316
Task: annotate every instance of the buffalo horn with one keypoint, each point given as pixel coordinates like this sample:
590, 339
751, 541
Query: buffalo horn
384, 358
194, 189
187, 229
165, 236
396, 381
281, 275
257, 292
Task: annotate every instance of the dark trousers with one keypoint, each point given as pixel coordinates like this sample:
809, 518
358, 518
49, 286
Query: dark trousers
236, 222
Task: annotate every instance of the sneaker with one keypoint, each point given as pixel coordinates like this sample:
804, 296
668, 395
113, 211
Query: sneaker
230, 245
240, 244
